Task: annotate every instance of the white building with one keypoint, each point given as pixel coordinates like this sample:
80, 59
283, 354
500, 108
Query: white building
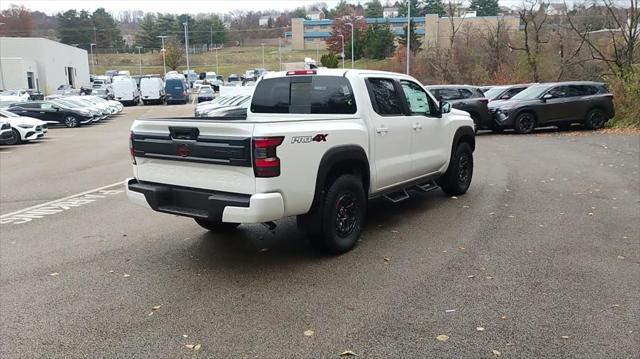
315, 15
264, 21
390, 12
37, 63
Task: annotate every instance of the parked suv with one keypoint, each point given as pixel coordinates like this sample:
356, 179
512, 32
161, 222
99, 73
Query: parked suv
556, 104
466, 98
316, 144
505, 92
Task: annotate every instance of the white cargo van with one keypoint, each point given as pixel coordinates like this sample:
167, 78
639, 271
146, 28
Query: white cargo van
152, 90
126, 90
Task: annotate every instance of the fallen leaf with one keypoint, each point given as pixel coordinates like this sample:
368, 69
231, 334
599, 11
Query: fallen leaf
150, 314
449, 310
347, 353
454, 197
386, 259
471, 276
126, 275
564, 337
504, 317
155, 307
197, 347
54, 274
442, 337
496, 353
512, 216
620, 257
190, 346
184, 336
489, 277
492, 213
590, 213
465, 206
480, 329
110, 271
309, 333
461, 248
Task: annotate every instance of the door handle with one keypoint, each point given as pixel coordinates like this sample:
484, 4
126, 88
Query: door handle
417, 126
382, 130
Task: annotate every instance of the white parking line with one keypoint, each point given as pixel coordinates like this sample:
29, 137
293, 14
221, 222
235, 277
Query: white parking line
59, 205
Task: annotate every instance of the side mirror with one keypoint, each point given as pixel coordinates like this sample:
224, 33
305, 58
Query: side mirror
547, 97
445, 107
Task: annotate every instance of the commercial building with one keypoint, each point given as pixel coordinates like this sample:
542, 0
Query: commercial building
41, 64
433, 30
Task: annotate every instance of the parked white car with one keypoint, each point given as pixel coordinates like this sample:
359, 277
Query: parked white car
24, 128
6, 134
14, 96
152, 90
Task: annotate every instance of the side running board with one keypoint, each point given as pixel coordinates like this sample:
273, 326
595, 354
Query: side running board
402, 194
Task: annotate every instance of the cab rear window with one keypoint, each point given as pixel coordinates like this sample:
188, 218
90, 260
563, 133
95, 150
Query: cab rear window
304, 95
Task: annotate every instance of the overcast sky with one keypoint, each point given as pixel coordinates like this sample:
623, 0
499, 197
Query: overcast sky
175, 6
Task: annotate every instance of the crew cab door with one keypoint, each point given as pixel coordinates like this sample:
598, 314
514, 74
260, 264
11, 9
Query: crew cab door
429, 135
391, 133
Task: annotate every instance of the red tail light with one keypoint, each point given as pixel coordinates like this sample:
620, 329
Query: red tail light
132, 150
265, 161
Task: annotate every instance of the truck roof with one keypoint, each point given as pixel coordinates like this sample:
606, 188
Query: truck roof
337, 72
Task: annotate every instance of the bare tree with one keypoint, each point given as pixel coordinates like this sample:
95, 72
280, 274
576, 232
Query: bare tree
623, 37
533, 17
173, 55
495, 40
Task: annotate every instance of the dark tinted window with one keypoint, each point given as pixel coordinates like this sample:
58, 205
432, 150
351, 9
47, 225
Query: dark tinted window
560, 91
466, 93
304, 94
585, 90
28, 105
385, 97
446, 94
514, 91
174, 85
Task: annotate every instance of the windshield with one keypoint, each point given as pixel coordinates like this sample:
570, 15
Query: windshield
494, 92
531, 93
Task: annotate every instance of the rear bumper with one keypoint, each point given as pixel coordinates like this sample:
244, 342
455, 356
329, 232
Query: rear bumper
206, 204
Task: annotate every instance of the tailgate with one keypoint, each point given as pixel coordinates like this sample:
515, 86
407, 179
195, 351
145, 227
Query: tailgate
195, 153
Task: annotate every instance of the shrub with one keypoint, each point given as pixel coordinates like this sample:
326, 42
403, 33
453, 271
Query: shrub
329, 60
626, 95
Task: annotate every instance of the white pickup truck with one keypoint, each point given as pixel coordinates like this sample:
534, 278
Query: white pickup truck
315, 144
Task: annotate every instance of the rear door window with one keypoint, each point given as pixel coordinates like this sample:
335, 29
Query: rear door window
304, 95
466, 93
384, 96
446, 94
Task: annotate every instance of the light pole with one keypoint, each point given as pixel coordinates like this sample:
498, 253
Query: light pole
217, 69
279, 54
408, 35
93, 64
317, 52
139, 58
350, 24
342, 39
186, 44
262, 44
164, 61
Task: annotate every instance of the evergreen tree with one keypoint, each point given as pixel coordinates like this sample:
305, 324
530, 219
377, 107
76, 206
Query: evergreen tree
485, 7
378, 42
107, 33
373, 9
434, 7
148, 34
415, 40
75, 28
416, 10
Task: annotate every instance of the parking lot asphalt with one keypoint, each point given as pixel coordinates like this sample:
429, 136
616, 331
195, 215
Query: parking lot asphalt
540, 259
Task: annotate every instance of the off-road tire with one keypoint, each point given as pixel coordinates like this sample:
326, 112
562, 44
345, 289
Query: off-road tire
343, 211
457, 179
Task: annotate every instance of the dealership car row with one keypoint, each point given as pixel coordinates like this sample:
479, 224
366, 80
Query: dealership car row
521, 107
